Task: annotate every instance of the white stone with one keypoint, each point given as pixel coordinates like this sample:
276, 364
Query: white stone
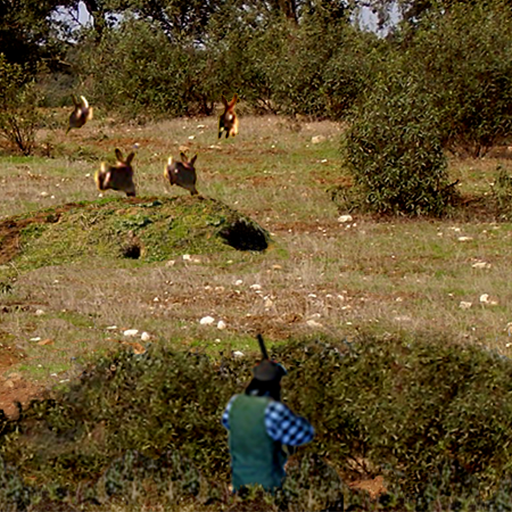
39, 312
255, 286
484, 299
145, 336
221, 325
465, 305
237, 354
131, 332
345, 218
207, 320
481, 264
314, 323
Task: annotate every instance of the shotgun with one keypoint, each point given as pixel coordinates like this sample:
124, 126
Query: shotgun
263, 349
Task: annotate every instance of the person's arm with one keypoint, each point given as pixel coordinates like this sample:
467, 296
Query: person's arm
225, 415
286, 427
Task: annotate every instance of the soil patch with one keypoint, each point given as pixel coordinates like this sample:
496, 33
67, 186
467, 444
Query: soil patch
10, 229
13, 388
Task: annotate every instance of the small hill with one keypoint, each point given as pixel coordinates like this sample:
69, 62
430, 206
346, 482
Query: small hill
146, 229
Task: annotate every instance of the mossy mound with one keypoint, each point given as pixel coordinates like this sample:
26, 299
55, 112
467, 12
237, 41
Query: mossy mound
147, 229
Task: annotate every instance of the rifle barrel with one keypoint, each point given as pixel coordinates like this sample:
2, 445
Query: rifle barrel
263, 349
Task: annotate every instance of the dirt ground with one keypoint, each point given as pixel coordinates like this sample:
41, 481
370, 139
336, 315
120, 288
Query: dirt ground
13, 388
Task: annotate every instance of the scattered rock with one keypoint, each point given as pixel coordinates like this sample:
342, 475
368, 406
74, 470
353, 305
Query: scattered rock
207, 320
47, 341
131, 332
484, 299
481, 264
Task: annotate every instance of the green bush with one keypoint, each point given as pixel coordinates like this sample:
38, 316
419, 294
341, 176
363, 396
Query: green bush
431, 416
19, 99
502, 195
464, 57
136, 70
393, 150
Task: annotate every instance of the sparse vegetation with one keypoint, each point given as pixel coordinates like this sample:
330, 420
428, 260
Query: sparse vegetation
379, 274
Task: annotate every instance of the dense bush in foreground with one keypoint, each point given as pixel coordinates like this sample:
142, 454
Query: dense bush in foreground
433, 417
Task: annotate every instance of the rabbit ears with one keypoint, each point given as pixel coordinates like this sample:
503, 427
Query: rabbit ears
120, 159
232, 103
185, 159
83, 103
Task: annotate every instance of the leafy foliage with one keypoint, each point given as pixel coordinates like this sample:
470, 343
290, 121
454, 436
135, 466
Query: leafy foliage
464, 57
18, 107
433, 417
502, 194
393, 150
29, 33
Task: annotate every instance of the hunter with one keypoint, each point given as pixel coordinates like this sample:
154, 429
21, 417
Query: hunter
261, 430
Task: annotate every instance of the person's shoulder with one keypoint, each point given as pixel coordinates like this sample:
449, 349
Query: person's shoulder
277, 407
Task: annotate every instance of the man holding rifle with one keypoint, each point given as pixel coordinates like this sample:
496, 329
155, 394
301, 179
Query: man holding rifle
261, 428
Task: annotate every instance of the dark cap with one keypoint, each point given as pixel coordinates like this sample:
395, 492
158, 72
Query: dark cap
268, 370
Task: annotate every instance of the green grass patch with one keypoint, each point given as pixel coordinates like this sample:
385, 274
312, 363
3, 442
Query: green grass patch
146, 231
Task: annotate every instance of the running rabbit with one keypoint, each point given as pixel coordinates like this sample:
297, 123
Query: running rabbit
118, 176
228, 121
182, 173
81, 114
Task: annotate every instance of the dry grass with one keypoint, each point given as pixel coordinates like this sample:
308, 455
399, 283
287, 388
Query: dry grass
322, 275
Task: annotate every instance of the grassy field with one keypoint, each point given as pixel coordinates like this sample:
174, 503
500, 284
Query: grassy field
321, 274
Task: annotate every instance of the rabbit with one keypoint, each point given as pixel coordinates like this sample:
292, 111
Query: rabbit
81, 114
118, 176
228, 121
182, 173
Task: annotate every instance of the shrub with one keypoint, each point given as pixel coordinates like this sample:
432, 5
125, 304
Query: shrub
139, 71
502, 195
464, 57
393, 150
432, 416
18, 107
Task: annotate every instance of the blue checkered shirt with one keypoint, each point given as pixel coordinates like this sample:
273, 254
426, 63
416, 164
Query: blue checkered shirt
281, 424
